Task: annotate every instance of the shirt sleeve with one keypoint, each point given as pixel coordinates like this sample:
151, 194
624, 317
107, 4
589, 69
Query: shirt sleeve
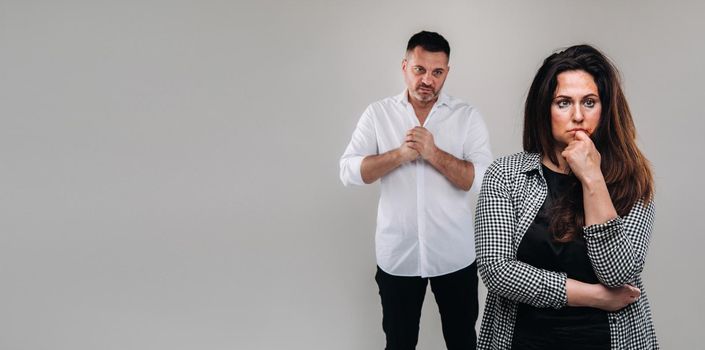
502, 273
363, 143
618, 247
476, 148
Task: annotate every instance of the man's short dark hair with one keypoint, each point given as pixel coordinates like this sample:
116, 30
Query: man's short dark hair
429, 41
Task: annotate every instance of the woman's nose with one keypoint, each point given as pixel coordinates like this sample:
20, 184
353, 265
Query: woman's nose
578, 114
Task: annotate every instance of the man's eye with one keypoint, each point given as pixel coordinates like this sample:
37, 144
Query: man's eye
437, 73
418, 70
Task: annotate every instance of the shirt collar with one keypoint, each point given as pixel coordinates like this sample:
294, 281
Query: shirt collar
443, 99
532, 162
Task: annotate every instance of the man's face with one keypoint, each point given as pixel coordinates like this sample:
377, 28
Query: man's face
424, 73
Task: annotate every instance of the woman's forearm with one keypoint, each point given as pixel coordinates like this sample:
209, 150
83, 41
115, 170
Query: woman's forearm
581, 294
597, 202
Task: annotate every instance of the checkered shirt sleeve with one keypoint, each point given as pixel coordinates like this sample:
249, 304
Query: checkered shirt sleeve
617, 248
495, 229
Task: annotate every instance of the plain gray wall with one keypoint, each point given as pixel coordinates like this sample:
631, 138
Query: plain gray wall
169, 169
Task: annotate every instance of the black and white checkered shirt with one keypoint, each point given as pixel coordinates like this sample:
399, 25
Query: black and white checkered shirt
512, 193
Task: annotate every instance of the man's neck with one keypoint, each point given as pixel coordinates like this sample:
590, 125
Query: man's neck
422, 108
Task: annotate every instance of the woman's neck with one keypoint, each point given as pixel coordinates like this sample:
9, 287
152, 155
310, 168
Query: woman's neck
562, 166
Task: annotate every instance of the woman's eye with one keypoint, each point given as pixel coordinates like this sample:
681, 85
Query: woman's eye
563, 103
589, 103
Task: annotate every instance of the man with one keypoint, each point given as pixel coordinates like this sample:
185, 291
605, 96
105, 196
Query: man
429, 150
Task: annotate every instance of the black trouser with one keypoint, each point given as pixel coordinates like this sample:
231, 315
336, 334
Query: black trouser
402, 298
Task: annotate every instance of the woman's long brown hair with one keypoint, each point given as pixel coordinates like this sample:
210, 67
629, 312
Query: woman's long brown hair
627, 172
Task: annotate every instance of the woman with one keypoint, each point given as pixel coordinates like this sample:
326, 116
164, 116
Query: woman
562, 229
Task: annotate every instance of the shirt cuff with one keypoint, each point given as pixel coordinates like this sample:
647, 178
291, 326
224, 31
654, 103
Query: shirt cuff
477, 180
351, 173
607, 228
556, 296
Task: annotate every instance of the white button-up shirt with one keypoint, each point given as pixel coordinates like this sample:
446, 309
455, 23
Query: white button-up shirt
424, 222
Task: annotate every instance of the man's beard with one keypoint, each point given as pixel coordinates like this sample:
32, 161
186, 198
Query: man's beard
428, 94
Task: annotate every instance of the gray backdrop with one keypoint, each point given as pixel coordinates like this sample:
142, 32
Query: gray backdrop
169, 169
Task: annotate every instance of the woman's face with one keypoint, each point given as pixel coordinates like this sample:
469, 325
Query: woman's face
575, 106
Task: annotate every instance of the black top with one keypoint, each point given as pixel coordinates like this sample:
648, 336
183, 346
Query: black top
569, 326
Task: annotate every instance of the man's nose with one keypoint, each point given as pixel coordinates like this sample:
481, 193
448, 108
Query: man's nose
427, 78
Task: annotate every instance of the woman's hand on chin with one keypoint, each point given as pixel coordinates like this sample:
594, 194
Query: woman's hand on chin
583, 158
